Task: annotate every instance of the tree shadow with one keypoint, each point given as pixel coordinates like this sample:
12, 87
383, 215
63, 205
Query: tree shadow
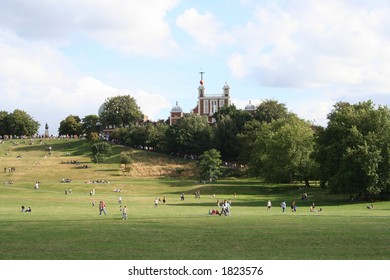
225, 189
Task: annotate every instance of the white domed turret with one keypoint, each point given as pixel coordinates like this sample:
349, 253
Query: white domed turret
101, 109
176, 114
176, 109
250, 107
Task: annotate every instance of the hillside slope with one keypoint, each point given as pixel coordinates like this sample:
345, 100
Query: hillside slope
25, 160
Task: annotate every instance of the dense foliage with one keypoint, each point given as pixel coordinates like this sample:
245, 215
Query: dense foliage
70, 126
189, 136
17, 123
283, 151
351, 155
210, 165
100, 151
120, 111
354, 149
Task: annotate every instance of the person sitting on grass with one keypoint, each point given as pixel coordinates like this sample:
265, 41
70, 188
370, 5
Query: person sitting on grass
214, 212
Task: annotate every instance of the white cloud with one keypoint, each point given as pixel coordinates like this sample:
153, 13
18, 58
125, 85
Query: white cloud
341, 45
134, 27
237, 65
205, 29
38, 79
152, 104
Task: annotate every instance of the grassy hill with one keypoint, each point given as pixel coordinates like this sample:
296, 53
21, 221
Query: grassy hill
33, 162
67, 226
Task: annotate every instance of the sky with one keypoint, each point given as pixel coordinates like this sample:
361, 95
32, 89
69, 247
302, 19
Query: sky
61, 58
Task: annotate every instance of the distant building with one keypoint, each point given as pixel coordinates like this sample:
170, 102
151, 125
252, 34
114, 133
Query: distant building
176, 114
250, 108
207, 105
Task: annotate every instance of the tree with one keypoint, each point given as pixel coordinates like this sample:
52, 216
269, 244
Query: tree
156, 137
126, 159
100, 151
270, 110
93, 137
21, 123
70, 126
89, 124
210, 164
283, 151
225, 138
229, 122
3, 123
189, 135
247, 138
120, 111
353, 151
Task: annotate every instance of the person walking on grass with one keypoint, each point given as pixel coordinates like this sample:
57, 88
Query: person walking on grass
283, 205
124, 213
156, 202
269, 205
293, 207
102, 207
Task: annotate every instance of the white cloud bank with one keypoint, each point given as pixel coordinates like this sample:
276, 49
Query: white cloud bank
134, 27
205, 29
36, 77
316, 44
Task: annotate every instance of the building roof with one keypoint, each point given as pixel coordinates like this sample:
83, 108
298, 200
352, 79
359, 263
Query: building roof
176, 109
250, 107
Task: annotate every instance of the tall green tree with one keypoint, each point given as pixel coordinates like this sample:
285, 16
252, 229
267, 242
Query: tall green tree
189, 135
246, 139
353, 151
3, 123
70, 126
100, 151
210, 164
270, 110
229, 123
120, 111
283, 151
89, 124
21, 123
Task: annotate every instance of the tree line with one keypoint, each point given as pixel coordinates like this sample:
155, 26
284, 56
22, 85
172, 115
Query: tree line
350, 155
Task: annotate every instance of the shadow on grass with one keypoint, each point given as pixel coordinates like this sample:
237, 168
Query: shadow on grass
243, 203
277, 193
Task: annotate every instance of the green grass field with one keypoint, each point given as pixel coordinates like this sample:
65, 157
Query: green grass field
68, 226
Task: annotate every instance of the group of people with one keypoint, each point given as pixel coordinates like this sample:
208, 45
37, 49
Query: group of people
313, 208
99, 181
66, 180
225, 208
158, 200
123, 210
293, 207
26, 210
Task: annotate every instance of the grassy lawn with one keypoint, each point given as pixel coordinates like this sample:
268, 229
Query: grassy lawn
68, 226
